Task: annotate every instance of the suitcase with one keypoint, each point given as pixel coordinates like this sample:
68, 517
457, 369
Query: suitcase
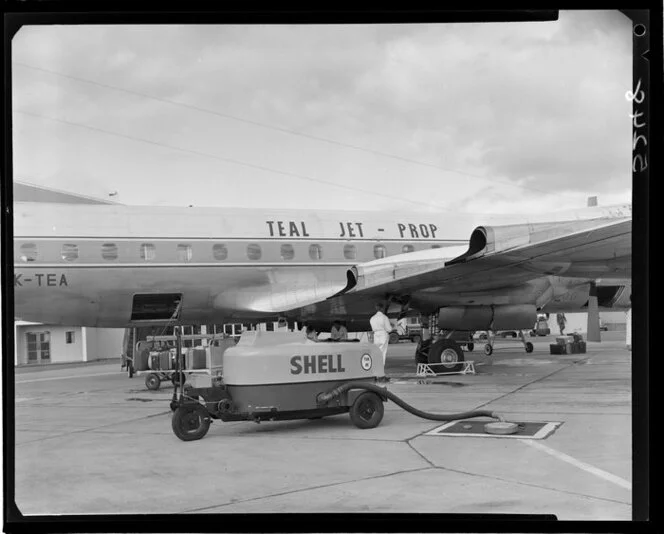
141, 360
198, 359
555, 348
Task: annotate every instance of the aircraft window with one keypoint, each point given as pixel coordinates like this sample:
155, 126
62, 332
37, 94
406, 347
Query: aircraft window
254, 251
435, 246
316, 252
184, 252
28, 252
220, 252
109, 251
148, 252
69, 252
380, 251
287, 252
350, 252
407, 248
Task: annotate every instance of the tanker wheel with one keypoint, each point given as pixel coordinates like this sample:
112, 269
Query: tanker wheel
393, 338
190, 422
447, 353
416, 339
152, 382
529, 347
367, 410
488, 349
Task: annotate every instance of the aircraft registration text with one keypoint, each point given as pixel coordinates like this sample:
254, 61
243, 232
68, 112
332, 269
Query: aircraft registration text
40, 280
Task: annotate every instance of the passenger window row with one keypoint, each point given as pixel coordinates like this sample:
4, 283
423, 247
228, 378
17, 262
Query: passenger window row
148, 252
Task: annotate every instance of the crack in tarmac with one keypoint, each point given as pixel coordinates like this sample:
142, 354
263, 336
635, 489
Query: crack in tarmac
94, 428
362, 479
519, 482
532, 382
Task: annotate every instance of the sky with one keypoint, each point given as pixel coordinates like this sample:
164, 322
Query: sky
480, 118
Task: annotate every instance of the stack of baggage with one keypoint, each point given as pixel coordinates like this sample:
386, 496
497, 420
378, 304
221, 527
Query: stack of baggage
572, 344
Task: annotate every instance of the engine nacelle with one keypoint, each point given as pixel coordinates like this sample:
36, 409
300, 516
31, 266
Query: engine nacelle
507, 317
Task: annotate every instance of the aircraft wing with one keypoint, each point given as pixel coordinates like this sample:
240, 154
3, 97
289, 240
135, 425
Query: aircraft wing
502, 257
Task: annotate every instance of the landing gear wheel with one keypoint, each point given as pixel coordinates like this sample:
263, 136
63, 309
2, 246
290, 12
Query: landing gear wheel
152, 382
447, 354
529, 347
470, 346
130, 370
190, 422
488, 349
367, 410
393, 338
174, 405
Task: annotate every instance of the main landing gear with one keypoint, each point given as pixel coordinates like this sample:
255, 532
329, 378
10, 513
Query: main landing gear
445, 354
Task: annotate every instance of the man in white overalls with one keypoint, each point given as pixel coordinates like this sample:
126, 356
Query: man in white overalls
381, 327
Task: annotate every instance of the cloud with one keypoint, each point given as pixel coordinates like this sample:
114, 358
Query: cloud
538, 105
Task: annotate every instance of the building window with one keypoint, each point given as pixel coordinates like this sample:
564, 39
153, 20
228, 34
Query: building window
254, 251
219, 251
350, 252
287, 252
69, 337
28, 252
316, 252
380, 251
69, 252
407, 248
148, 252
194, 330
109, 251
184, 253
38, 346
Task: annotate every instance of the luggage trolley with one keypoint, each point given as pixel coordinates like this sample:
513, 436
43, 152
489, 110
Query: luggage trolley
161, 365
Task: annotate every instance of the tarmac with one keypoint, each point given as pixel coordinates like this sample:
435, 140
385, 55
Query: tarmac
89, 440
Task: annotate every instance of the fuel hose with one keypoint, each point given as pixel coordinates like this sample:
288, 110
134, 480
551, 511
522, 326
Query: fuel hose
323, 398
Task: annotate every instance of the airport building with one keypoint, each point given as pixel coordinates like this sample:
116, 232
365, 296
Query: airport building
36, 343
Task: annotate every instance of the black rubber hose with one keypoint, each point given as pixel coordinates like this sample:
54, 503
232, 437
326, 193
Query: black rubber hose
383, 392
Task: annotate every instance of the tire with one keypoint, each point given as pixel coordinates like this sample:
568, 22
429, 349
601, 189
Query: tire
446, 353
152, 382
394, 338
470, 347
367, 410
488, 349
529, 347
190, 422
130, 370
416, 339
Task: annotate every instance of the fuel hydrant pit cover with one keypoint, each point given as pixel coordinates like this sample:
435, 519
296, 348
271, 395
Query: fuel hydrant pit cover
476, 429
